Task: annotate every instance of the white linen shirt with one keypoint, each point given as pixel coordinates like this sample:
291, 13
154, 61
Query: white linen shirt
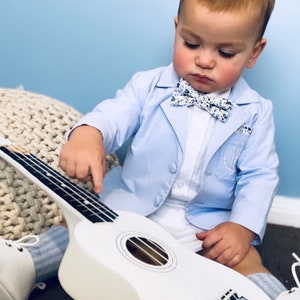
199, 130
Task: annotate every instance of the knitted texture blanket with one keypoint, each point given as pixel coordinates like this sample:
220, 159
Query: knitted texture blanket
40, 124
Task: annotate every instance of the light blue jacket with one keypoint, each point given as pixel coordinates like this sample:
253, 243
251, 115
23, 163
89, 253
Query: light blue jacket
240, 165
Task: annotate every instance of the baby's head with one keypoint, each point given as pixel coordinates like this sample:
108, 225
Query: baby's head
217, 39
263, 8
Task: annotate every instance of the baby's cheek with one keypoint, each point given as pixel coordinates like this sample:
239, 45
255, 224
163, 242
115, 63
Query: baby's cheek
181, 62
227, 75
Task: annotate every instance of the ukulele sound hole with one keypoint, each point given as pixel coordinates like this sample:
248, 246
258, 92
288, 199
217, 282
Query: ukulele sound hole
147, 251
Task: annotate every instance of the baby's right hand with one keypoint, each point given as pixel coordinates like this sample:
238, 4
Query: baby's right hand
84, 155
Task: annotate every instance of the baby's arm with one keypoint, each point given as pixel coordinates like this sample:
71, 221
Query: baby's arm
227, 243
84, 155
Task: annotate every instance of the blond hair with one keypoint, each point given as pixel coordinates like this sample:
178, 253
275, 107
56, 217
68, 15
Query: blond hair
265, 7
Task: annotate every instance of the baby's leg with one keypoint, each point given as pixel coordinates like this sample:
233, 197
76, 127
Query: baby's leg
252, 267
251, 264
30, 260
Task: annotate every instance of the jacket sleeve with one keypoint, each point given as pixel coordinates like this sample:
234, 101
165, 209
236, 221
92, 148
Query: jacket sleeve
257, 177
118, 118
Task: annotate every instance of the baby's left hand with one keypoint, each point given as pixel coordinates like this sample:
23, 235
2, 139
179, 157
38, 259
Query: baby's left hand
227, 243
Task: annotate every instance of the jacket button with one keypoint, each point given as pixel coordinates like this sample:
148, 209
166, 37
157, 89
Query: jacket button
157, 201
173, 168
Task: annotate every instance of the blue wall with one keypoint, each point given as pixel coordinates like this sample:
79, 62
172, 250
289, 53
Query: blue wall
81, 51
276, 76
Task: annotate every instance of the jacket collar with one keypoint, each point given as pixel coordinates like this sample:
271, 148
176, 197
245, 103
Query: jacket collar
168, 78
241, 93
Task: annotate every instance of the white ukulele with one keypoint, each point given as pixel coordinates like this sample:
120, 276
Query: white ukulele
125, 256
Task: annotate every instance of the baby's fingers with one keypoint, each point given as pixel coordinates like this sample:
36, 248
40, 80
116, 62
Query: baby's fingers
97, 173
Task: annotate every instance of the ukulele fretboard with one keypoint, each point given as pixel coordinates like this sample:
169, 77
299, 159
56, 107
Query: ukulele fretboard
84, 201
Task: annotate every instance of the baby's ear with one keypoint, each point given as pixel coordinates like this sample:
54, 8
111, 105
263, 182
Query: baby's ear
176, 21
257, 50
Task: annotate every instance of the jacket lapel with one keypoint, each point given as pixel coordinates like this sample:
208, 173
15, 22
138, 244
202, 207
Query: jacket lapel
242, 95
177, 117
223, 131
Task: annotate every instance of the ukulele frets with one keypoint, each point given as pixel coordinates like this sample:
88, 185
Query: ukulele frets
85, 202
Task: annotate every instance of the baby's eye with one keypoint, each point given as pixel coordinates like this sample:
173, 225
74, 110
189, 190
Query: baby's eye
226, 54
191, 45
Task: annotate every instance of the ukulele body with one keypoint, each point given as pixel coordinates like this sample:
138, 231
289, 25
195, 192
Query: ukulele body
125, 256
98, 264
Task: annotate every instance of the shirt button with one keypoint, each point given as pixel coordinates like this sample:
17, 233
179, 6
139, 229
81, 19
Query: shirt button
173, 168
180, 184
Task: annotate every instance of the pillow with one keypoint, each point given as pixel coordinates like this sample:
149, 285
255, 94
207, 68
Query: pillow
40, 124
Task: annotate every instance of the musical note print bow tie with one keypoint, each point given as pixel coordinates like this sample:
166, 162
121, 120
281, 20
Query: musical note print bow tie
186, 95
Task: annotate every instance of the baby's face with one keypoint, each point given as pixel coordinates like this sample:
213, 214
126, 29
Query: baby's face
212, 49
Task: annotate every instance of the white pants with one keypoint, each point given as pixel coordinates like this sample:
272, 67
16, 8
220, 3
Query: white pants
171, 216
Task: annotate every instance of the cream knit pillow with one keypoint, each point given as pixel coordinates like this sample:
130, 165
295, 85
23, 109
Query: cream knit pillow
39, 123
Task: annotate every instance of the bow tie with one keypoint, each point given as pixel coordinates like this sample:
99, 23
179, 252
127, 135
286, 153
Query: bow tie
186, 95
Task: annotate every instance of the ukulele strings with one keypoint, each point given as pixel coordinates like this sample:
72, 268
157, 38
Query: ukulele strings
93, 205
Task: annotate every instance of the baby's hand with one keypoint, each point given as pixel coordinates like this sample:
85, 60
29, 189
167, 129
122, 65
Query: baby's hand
227, 243
84, 155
